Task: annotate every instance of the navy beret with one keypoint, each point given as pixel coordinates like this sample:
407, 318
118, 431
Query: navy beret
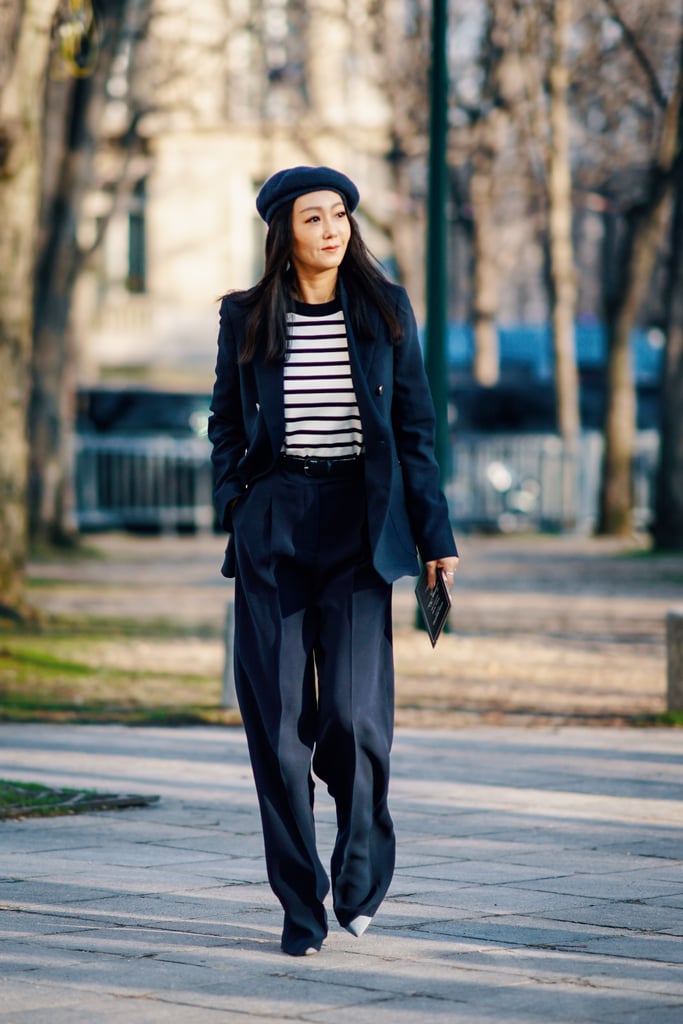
286, 186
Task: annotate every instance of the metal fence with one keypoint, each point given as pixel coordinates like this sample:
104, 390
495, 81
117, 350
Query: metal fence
137, 483
502, 482
508, 482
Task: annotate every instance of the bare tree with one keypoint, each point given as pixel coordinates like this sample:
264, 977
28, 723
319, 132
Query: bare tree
545, 119
562, 269
668, 524
75, 103
25, 45
490, 121
395, 55
490, 164
520, 144
644, 228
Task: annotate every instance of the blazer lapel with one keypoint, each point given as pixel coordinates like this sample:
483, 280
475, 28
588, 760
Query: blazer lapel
361, 353
269, 388
361, 357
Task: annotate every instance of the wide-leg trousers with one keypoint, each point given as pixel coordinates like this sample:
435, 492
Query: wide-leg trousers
315, 683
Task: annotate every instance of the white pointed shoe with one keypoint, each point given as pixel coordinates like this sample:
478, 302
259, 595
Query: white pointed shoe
359, 925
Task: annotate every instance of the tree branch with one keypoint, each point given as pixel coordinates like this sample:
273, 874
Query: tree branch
638, 52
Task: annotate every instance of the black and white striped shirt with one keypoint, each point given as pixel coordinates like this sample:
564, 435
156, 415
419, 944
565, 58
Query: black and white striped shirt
321, 412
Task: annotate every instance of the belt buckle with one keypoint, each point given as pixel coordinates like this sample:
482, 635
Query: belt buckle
316, 468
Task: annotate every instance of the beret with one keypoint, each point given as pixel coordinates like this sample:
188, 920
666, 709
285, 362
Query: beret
286, 186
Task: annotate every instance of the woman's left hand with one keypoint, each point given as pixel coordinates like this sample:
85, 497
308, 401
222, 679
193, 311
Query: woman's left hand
447, 566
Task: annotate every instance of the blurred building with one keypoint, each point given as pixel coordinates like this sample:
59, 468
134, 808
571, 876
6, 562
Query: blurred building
206, 100
223, 93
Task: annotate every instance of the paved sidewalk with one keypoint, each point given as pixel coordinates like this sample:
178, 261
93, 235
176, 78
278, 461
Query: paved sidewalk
540, 878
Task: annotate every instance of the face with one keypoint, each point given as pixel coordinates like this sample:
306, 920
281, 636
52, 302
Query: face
321, 232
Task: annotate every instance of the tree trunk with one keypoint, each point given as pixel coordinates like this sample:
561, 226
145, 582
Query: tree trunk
489, 136
486, 368
562, 271
75, 107
616, 495
50, 408
668, 524
644, 231
21, 124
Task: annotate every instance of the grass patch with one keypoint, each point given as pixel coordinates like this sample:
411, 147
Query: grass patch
67, 713
99, 626
41, 660
75, 549
30, 800
671, 718
26, 798
98, 672
648, 554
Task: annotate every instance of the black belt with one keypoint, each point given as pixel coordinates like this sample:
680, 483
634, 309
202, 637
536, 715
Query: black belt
321, 469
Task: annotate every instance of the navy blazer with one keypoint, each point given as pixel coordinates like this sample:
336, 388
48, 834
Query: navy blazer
405, 506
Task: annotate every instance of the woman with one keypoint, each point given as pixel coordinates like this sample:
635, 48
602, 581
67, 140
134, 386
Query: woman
322, 429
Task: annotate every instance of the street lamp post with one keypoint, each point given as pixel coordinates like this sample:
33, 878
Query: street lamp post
437, 270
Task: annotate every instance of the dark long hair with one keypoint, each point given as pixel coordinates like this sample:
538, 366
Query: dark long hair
272, 298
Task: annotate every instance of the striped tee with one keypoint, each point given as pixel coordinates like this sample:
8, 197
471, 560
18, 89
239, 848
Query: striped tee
321, 412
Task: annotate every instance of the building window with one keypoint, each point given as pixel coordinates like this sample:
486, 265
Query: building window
136, 281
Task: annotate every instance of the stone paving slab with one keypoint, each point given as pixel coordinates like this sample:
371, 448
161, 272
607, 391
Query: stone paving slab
539, 878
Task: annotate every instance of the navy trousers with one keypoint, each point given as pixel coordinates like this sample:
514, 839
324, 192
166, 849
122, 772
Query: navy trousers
315, 683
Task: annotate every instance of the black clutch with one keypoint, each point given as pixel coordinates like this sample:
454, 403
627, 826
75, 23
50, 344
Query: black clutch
434, 604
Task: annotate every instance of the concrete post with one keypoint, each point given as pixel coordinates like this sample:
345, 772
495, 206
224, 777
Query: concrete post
229, 694
674, 660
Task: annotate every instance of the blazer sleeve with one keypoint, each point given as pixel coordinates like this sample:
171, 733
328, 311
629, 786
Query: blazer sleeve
413, 425
226, 424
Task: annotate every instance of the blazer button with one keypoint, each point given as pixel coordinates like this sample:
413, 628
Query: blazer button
379, 389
